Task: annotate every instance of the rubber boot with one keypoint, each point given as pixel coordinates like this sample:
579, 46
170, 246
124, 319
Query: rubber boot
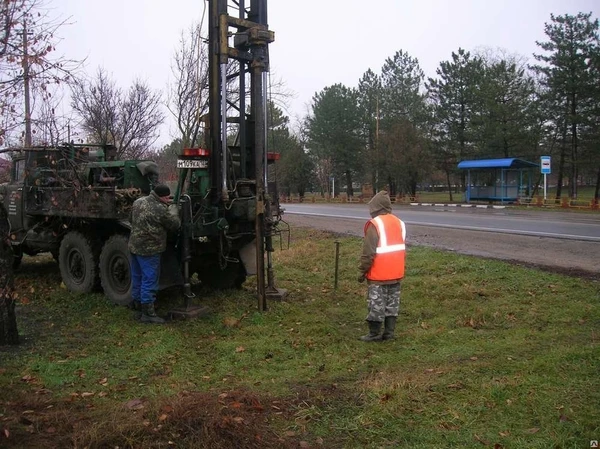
149, 315
373, 335
390, 325
136, 306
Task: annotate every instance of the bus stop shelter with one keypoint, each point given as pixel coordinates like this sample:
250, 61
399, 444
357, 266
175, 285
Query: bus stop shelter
503, 180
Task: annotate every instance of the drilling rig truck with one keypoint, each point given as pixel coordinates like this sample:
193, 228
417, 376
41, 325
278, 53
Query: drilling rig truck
73, 200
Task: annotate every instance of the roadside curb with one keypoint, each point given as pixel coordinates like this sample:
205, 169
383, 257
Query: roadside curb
480, 206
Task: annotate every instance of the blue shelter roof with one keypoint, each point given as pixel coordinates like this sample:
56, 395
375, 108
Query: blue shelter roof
509, 162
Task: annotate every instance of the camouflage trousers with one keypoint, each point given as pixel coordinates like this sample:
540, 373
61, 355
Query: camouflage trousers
383, 300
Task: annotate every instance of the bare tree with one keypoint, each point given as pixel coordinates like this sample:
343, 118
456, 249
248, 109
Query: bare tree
29, 65
188, 95
129, 120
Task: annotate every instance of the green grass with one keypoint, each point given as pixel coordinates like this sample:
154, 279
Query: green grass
486, 354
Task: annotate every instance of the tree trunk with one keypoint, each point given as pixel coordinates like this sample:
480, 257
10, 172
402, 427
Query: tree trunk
597, 190
9, 334
449, 184
349, 189
574, 142
561, 163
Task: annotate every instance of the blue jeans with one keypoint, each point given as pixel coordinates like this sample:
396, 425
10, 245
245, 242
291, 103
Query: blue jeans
145, 271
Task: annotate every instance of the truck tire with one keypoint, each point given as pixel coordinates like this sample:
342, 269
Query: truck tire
78, 263
115, 274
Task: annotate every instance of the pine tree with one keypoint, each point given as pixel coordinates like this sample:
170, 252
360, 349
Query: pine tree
566, 74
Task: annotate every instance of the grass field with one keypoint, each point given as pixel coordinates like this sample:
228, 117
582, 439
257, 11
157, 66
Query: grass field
487, 355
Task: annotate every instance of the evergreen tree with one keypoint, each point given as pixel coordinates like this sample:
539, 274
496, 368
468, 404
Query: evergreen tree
455, 97
404, 118
334, 133
567, 75
401, 82
505, 122
293, 171
369, 100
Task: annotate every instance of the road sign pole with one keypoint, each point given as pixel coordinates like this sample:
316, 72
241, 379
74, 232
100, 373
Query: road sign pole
546, 169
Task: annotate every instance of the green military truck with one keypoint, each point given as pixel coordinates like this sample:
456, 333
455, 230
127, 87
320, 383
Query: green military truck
74, 201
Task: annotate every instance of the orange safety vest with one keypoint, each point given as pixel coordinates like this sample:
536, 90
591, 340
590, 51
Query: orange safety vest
388, 263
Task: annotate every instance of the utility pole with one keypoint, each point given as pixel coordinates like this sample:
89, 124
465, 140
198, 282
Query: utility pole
27, 140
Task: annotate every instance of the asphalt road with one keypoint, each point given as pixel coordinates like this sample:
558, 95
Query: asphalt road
565, 242
575, 226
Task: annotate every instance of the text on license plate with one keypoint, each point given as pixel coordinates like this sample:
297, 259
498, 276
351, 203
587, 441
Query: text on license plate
192, 163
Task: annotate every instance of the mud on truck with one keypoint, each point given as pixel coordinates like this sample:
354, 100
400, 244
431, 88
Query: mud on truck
74, 200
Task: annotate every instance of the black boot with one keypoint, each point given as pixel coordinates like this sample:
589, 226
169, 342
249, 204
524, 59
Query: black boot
390, 325
149, 315
136, 306
373, 335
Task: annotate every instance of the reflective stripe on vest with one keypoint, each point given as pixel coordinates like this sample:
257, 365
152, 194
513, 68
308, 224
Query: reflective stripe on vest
388, 263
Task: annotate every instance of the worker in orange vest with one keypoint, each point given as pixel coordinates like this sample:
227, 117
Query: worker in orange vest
382, 265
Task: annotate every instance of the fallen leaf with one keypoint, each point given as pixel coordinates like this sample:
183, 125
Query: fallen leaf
240, 349
481, 440
504, 434
238, 420
162, 417
236, 404
533, 430
135, 404
51, 430
6, 433
304, 444
103, 382
167, 409
86, 394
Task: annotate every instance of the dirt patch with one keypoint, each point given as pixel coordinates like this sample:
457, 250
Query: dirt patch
232, 419
569, 257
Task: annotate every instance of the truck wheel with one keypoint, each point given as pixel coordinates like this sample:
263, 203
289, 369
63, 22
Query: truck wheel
115, 275
78, 263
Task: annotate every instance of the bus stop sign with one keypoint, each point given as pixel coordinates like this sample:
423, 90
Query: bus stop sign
545, 165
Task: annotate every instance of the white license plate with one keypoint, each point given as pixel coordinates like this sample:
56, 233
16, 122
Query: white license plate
192, 163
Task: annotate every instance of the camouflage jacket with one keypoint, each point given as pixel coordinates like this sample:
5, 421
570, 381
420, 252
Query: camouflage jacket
151, 219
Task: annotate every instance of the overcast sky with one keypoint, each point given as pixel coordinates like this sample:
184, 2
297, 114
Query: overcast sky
317, 42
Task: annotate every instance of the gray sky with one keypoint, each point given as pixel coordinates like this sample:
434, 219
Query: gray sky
317, 42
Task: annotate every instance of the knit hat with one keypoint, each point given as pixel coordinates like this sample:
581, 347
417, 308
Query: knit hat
162, 190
